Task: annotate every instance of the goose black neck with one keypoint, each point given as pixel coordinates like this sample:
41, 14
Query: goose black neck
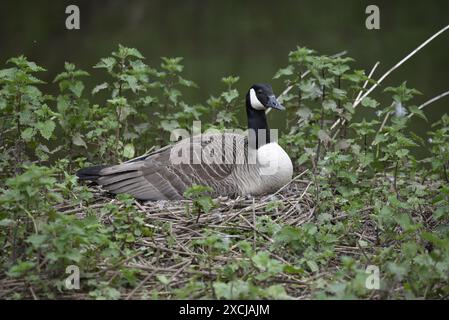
257, 125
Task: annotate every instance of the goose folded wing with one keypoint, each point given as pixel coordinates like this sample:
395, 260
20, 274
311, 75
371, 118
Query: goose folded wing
156, 177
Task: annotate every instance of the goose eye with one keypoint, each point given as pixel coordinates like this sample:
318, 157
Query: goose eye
259, 92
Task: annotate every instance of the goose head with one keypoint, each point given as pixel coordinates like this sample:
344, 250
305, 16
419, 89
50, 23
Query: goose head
260, 97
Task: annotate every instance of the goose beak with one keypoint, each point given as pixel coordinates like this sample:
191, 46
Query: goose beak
274, 103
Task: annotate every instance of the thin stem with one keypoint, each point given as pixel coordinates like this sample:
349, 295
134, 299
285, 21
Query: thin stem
117, 131
323, 96
364, 143
425, 104
397, 65
445, 172
358, 96
396, 179
18, 145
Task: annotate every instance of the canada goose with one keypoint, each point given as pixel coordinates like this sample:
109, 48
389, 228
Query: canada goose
157, 177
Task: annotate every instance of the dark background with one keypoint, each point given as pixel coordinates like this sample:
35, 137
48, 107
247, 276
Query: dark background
247, 38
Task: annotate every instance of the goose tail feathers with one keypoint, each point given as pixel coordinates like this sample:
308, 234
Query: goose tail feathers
91, 173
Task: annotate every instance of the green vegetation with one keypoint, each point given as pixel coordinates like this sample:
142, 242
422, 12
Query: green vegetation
363, 198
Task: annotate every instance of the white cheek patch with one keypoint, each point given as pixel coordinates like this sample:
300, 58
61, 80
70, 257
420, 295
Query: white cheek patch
255, 103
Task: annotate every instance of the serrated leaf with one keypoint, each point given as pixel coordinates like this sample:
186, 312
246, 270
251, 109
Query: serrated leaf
330, 105
129, 151
402, 153
77, 88
288, 71
187, 83
440, 212
77, 140
106, 63
369, 102
416, 111
312, 265
46, 128
36, 240
100, 87
74, 256
231, 95
27, 134
135, 53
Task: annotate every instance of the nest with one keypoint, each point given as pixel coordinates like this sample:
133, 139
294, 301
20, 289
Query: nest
169, 251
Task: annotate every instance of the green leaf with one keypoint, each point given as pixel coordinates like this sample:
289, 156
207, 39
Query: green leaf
398, 270
169, 125
416, 111
27, 134
135, 53
132, 82
230, 96
312, 265
129, 151
293, 269
330, 105
106, 63
441, 212
74, 256
77, 140
267, 265
77, 88
100, 87
46, 128
37, 240
277, 292
369, 102
19, 269
339, 70
231, 80
173, 95
7, 223
288, 71
401, 153
187, 83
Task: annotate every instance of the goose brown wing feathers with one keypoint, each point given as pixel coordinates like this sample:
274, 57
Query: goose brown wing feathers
206, 160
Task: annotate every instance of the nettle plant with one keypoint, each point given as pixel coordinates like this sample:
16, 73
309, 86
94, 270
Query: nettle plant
146, 103
24, 113
74, 111
202, 203
326, 90
130, 76
439, 142
171, 110
225, 105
